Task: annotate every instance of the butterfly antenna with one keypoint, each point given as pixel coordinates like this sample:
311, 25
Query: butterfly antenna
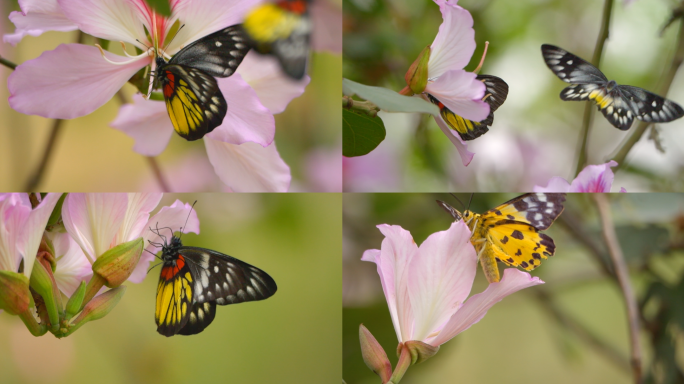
187, 218
470, 201
154, 266
173, 37
457, 199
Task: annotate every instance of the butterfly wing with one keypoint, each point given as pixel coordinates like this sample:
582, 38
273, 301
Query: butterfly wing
616, 109
648, 106
282, 29
495, 95
570, 68
193, 100
174, 297
519, 244
218, 54
201, 315
539, 210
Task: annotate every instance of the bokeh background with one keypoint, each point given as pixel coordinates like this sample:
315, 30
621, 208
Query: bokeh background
292, 337
572, 329
534, 134
91, 156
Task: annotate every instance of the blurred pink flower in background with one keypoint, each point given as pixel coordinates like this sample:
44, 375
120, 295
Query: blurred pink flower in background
426, 287
327, 24
593, 178
324, 170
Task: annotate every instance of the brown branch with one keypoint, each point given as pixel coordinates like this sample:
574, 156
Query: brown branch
35, 179
158, 174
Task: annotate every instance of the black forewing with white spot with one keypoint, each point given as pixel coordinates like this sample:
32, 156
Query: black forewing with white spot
496, 91
218, 54
226, 280
539, 210
200, 317
571, 68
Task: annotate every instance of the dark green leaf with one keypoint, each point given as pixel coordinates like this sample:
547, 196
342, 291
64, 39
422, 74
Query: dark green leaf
160, 6
360, 133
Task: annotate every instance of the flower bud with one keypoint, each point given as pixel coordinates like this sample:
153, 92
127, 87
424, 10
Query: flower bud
44, 284
97, 308
373, 355
75, 301
14, 292
417, 75
419, 351
117, 264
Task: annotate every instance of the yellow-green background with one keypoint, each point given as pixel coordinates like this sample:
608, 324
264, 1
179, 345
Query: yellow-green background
518, 341
292, 337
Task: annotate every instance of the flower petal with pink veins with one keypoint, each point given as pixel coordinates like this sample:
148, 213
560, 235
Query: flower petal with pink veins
32, 233
274, 89
249, 167
137, 214
440, 278
247, 120
173, 217
15, 209
72, 264
114, 20
455, 41
556, 184
34, 22
594, 178
461, 146
477, 305
462, 93
147, 122
70, 81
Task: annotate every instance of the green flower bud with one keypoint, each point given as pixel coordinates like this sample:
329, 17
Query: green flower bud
373, 355
97, 308
117, 264
15, 296
75, 301
419, 351
417, 75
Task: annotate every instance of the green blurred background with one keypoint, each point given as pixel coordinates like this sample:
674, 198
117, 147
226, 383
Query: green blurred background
292, 337
91, 156
521, 339
534, 134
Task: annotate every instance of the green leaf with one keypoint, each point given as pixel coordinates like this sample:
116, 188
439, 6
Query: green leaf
160, 6
360, 133
388, 100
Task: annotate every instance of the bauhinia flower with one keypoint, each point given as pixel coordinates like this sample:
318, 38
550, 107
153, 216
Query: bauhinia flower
447, 81
427, 286
36, 17
593, 178
72, 266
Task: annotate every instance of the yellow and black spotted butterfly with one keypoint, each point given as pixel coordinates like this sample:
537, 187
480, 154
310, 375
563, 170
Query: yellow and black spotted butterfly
193, 99
282, 29
510, 233
495, 95
193, 280
620, 104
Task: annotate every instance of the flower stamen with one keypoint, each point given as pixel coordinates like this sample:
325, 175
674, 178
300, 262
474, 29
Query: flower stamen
482, 59
133, 58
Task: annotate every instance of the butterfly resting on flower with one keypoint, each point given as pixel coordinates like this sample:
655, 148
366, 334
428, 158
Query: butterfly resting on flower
510, 233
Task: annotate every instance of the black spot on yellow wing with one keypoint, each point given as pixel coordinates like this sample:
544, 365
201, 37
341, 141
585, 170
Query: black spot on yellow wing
517, 235
495, 95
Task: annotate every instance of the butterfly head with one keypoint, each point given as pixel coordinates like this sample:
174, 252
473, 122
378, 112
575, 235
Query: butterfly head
170, 250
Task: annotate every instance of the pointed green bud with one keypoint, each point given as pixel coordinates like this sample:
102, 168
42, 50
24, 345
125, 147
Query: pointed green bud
419, 350
117, 264
14, 292
44, 284
96, 309
417, 75
373, 355
75, 301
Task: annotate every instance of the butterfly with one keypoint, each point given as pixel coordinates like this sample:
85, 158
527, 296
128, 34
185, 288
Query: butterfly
193, 99
282, 29
510, 233
495, 95
620, 104
194, 280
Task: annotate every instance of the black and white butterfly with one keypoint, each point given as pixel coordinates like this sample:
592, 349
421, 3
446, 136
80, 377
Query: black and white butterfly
620, 104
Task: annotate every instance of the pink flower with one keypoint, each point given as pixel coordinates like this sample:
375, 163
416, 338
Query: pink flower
241, 159
22, 228
426, 287
100, 221
72, 264
36, 17
593, 178
448, 82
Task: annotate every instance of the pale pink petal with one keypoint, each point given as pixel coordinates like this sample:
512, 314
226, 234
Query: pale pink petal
274, 89
556, 184
249, 167
147, 122
114, 20
455, 42
137, 214
623, 190
247, 120
70, 81
15, 209
477, 305
72, 264
371, 255
594, 178
327, 24
324, 169
440, 278
202, 17
461, 146
173, 217
32, 233
34, 23
462, 93
93, 219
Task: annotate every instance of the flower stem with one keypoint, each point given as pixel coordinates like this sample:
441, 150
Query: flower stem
158, 174
589, 106
7, 63
402, 365
665, 83
34, 180
622, 274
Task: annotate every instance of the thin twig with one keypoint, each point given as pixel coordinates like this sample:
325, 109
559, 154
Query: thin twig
363, 107
589, 106
7, 63
573, 224
158, 174
622, 274
35, 179
665, 83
